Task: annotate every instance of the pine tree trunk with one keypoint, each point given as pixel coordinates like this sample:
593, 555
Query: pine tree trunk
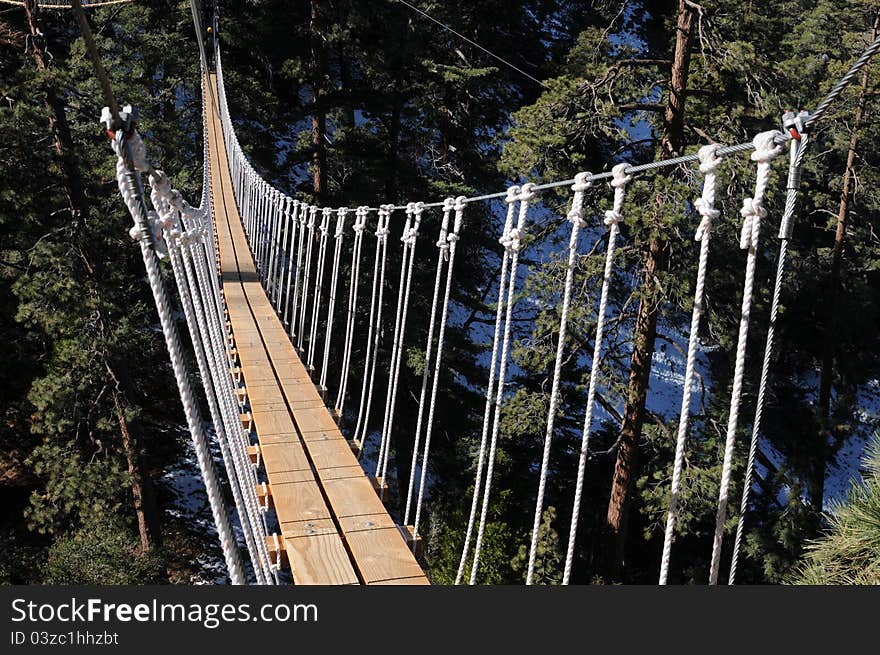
645, 332
319, 117
141, 488
816, 483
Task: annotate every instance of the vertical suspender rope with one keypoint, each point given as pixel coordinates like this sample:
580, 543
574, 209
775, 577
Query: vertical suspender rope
575, 217
293, 216
512, 242
296, 309
797, 151
334, 280
409, 238
442, 256
375, 327
510, 199
705, 205
310, 239
613, 217
129, 162
452, 239
319, 287
401, 287
360, 223
272, 250
752, 212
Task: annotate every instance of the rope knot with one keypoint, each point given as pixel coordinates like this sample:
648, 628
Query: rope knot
620, 178
512, 195
511, 240
708, 214
460, 202
709, 159
766, 147
360, 221
612, 217
448, 204
340, 221
576, 218
582, 182
527, 192
752, 213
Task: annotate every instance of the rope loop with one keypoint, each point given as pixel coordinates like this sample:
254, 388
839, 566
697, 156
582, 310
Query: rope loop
766, 148
340, 221
582, 182
709, 159
619, 181
324, 227
705, 204
313, 213
512, 195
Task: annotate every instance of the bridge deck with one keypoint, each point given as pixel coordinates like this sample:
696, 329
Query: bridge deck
334, 528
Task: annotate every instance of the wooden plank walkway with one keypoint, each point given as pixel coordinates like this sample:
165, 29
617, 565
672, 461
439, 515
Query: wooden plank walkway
334, 528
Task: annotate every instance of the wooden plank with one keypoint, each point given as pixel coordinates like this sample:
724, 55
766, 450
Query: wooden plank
382, 555
308, 528
298, 501
352, 497
284, 457
319, 559
366, 522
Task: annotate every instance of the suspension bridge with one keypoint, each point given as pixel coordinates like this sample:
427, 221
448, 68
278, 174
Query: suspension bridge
260, 280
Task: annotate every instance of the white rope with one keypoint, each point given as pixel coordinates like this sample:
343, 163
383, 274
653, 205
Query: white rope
319, 285
575, 217
195, 324
452, 240
292, 215
409, 239
705, 205
442, 255
401, 288
510, 199
797, 151
304, 212
246, 471
239, 482
275, 212
375, 327
752, 212
511, 241
310, 239
360, 224
328, 332
132, 193
201, 254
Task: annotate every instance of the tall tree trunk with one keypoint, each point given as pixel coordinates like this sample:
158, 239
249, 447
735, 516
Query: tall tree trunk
63, 141
816, 483
142, 492
319, 117
645, 332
